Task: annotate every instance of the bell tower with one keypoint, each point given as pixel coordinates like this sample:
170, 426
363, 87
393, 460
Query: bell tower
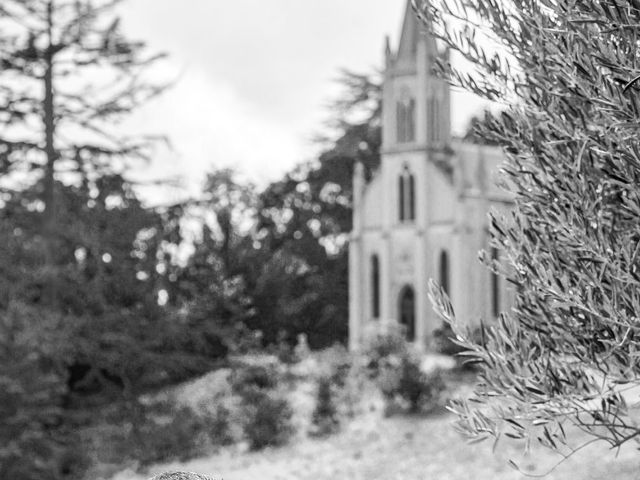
423, 213
417, 104
391, 247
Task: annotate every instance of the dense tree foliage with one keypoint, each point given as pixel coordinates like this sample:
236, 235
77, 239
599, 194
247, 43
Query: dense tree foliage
213, 285
103, 298
304, 221
78, 260
68, 75
567, 352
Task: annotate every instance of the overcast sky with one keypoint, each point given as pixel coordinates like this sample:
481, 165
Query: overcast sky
254, 76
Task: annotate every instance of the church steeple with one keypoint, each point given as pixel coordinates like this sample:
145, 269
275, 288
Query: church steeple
408, 46
416, 102
388, 56
413, 34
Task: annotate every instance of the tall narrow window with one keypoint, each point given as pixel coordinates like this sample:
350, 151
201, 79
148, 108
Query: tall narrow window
495, 285
401, 195
434, 120
437, 121
407, 312
444, 272
412, 197
405, 119
406, 196
401, 119
375, 286
411, 120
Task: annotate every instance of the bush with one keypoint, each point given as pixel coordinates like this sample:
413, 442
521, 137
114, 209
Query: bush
180, 435
254, 377
421, 390
219, 426
267, 419
325, 418
32, 387
266, 415
384, 344
396, 371
402, 381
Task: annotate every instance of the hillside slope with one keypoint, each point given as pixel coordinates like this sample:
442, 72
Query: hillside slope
399, 448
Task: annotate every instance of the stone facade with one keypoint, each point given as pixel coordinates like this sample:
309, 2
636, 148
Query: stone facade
424, 213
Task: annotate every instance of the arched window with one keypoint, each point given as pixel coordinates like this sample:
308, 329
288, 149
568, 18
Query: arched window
375, 286
412, 197
434, 120
401, 202
407, 312
444, 272
495, 285
406, 196
405, 119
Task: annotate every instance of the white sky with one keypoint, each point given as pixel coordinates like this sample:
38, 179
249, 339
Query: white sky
254, 77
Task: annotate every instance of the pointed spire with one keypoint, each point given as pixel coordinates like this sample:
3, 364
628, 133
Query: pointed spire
410, 35
388, 56
413, 32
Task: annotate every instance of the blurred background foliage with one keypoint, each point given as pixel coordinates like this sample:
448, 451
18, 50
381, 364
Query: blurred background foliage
104, 298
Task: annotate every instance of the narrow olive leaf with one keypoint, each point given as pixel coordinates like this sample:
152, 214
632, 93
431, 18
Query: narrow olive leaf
477, 439
514, 423
495, 443
630, 83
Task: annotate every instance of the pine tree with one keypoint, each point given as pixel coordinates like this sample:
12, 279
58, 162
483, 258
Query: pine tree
566, 72
68, 75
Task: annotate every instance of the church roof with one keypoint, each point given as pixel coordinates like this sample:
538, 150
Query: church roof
412, 32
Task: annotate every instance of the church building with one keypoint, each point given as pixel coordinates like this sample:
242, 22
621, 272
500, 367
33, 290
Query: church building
424, 213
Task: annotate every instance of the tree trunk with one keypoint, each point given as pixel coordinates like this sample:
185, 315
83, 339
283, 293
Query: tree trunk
49, 216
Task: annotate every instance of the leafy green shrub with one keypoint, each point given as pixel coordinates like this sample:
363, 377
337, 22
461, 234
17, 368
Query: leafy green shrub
325, 419
284, 350
403, 382
384, 344
266, 415
32, 445
421, 390
350, 388
181, 435
267, 419
254, 377
397, 373
219, 426
340, 367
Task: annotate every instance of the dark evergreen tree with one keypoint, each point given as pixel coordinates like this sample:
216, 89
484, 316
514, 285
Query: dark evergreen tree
68, 75
78, 252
